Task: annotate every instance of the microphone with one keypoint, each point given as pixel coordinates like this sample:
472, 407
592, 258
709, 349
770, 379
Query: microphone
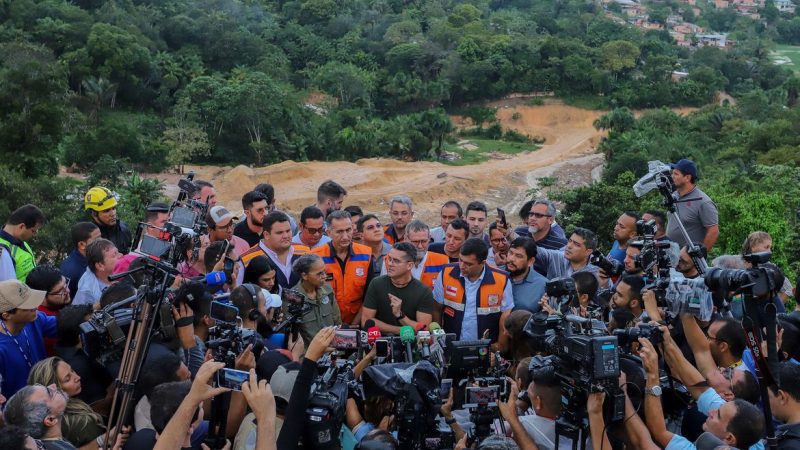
373, 332
438, 333
424, 343
407, 337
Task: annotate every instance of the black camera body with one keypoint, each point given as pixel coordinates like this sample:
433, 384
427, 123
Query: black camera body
229, 341
761, 281
611, 267
328, 402
627, 336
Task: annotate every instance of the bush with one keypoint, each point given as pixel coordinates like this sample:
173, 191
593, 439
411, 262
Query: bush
515, 136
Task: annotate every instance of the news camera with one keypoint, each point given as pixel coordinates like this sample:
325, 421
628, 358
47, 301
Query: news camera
761, 280
325, 413
585, 360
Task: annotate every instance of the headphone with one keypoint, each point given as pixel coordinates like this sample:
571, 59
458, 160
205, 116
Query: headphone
254, 313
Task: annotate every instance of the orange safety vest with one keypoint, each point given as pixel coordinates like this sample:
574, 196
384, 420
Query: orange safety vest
489, 301
389, 234
434, 263
280, 278
350, 285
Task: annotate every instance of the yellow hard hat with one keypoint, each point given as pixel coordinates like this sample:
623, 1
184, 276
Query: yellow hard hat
100, 199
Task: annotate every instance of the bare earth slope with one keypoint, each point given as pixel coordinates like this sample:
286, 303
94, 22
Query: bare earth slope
371, 183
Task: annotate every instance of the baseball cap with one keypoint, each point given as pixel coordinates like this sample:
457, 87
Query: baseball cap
282, 381
272, 300
268, 363
687, 167
158, 207
220, 214
14, 294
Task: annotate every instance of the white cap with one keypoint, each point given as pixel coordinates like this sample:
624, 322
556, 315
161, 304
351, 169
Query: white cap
272, 300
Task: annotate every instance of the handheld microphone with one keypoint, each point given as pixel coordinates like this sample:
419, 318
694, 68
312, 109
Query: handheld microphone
407, 337
438, 333
373, 332
424, 343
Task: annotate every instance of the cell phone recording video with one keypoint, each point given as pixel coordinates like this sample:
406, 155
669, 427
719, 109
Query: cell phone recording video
346, 339
444, 388
232, 378
485, 395
224, 312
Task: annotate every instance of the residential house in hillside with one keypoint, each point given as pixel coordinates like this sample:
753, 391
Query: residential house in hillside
784, 6
712, 40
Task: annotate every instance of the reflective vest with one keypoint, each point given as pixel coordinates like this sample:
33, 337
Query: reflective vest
280, 278
22, 257
434, 263
389, 234
351, 284
488, 303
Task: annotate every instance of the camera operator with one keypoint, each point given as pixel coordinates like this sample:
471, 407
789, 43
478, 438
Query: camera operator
397, 298
661, 222
254, 306
527, 285
156, 216
220, 256
518, 342
628, 297
685, 263
573, 258
784, 400
473, 299
624, 232
632, 265
696, 209
317, 294
294, 422
737, 423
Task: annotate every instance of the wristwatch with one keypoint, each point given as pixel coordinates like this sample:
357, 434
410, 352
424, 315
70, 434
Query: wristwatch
400, 317
655, 391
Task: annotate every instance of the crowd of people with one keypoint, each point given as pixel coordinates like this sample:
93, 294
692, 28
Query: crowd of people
475, 275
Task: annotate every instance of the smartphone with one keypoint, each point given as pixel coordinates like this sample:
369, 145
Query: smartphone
232, 378
382, 348
487, 395
444, 388
502, 215
346, 339
224, 312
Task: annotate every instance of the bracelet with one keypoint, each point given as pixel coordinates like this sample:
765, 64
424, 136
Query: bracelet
184, 321
450, 421
400, 317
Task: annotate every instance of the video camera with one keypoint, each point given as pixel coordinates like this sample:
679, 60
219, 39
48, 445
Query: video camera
226, 339
585, 360
328, 402
761, 280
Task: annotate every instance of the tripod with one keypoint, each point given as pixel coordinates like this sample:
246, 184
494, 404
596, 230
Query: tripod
667, 189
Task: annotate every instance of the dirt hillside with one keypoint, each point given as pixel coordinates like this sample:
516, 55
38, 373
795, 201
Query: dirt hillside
568, 153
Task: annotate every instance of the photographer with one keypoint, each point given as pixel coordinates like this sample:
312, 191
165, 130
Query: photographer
628, 297
685, 263
624, 232
738, 423
317, 294
294, 422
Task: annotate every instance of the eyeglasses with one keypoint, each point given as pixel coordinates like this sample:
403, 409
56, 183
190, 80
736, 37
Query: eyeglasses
321, 274
315, 230
62, 293
395, 260
536, 215
713, 338
498, 241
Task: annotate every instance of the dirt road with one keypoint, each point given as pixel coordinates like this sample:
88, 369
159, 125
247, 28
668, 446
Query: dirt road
373, 182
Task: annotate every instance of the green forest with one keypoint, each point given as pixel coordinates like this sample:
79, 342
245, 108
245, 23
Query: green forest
105, 87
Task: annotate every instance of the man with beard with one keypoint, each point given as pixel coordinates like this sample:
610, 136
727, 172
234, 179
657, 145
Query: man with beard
527, 285
312, 228
624, 232
276, 244
539, 216
401, 212
574, 257
103, 205
696, 209
49, 279
255, 208
450, 211
330, 196
686, 264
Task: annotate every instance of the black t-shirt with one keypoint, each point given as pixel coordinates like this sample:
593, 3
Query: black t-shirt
243, 231
144, 439
438, 247
415, 295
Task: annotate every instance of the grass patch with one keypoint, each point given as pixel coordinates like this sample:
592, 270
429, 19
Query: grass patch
593, 102
787, 56
485, 146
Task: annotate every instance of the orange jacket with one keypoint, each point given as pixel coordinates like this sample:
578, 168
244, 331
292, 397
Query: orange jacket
488, 303
434, 263
351, 284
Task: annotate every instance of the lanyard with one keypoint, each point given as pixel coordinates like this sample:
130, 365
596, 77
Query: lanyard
24, 355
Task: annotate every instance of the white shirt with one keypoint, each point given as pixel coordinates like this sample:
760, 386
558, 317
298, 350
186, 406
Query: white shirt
469, 324
286, 269
323, 241
90, 289
543, 432
437, 234
7, 271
